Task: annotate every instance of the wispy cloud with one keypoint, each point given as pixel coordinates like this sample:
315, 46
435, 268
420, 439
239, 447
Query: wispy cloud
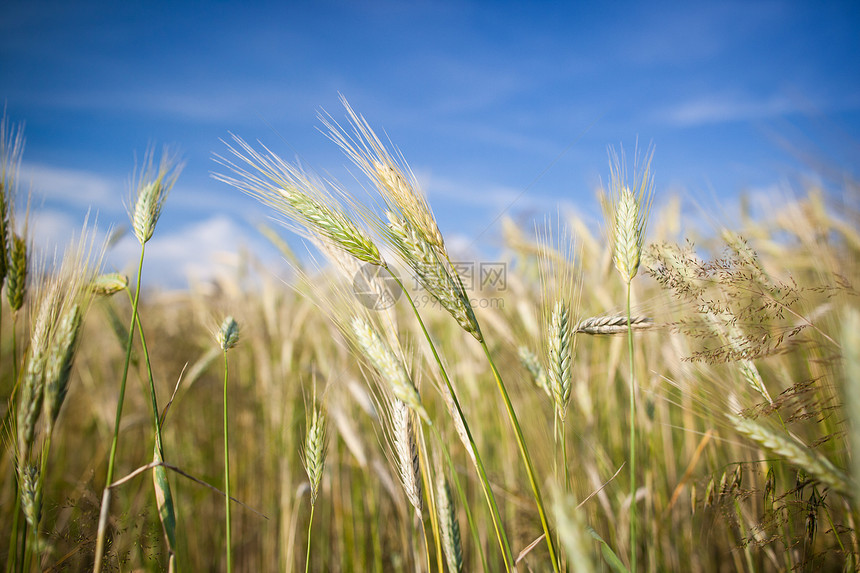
198, 252
74, 187
712, 109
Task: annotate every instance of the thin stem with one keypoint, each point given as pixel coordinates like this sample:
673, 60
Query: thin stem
524, 454
106, 496
472, 527
501, 536
564, 456
632, 437
429, 491
308, 554
227, 473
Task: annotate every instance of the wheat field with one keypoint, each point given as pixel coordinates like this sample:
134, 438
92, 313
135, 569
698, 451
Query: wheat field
652, 394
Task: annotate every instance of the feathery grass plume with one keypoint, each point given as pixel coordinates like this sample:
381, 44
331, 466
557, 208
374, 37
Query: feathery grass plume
16, 275
613, 324
434, 274
448, 524
627, 211
389, 366
315, 446
851, 351
796, 453
152, 186
531, 362
388, 171
109, 283
306, 203
404, 442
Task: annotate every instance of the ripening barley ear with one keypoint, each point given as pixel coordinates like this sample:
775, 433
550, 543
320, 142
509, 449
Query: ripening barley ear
151, 189
313, 458
401, 429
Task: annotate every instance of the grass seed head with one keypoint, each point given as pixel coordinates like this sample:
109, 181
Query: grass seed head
315, 446
17, 270
627, 212
109, 283
151, 190
303, 201
389, 366
406, 458
448, 524
228, 334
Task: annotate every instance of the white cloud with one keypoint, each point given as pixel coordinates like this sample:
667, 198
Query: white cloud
196, 253
74, 187
718, 109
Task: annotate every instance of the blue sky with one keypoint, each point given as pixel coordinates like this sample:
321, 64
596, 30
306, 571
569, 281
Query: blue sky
489, 102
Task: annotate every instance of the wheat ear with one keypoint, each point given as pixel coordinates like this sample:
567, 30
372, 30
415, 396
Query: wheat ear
389, 172
448, 524
303, 201
613, 324
406, 456
432, 272
152, 188
389, 366
796, 453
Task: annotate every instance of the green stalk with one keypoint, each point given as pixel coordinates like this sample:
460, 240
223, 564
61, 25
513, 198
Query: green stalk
632, 437
106, 496
472, 527
308, 554
482, 474
227, 473
524, 454
166, 511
